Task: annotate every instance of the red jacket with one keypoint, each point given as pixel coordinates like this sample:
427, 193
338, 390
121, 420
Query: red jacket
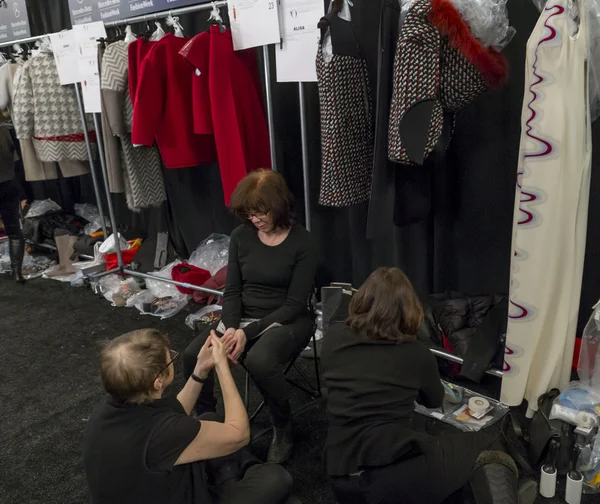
227, 102
163, 110
137, 51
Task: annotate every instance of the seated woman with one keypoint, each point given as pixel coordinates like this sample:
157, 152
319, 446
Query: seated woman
265, 319
374, 370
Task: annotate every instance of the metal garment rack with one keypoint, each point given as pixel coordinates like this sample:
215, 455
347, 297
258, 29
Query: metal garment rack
305, 172
29, 40
267, 69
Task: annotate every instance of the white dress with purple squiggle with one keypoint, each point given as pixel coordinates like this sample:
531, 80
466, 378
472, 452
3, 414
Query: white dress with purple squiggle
551, 209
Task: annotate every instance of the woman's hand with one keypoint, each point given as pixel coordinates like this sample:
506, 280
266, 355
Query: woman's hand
228, 339
239, 339
219, 352
205, 362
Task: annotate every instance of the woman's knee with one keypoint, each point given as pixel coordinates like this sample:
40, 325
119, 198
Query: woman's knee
261, 364
276, 482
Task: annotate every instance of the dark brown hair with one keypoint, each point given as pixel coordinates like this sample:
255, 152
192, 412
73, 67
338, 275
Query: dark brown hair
130, 363
386, 307
264, 191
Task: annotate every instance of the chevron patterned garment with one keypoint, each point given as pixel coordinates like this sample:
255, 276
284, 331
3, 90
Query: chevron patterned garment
48, 113
143, 170
347, 138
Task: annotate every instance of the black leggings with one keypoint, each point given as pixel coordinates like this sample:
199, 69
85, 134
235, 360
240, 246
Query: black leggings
430, 478
265, 358
9, 209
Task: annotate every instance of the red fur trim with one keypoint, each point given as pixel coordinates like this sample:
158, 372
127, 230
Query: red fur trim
491, 63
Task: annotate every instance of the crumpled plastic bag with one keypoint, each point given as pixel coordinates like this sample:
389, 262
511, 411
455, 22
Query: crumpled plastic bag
164, 307
162, 289
588, 367
487, 19
89, 213
589, 466
108, 246
212, 254
206, 315
42, 207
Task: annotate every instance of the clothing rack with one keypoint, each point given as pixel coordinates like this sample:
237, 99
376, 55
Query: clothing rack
267, 70
29, 40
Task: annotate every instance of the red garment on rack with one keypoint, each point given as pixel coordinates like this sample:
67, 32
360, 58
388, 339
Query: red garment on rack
227, 102
137, 51
163, 108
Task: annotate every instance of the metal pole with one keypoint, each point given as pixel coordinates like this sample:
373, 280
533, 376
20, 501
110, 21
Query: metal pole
146, 276
111, 211
86, 136
304, 140
175, 12
269, 101
458, 360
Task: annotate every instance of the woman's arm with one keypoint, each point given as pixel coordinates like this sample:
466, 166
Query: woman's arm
232, 300
301, 285
221, 439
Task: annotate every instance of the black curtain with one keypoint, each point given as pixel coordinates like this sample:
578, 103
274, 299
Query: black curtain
464, 248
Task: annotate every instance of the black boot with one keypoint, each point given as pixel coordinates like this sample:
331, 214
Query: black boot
16, 249
495, 481
282, 446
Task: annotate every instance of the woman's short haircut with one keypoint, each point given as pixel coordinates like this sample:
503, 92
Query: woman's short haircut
264, 191
130, 363
386, 307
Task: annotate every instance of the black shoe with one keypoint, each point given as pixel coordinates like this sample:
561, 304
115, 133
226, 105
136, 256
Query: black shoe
282, 446
16, 249
495, 479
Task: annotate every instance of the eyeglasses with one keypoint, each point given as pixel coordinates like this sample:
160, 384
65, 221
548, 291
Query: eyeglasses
261, 216
173, 356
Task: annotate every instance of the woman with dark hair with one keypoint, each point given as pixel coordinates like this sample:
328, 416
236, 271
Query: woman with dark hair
9, 205
265, 318
374, 370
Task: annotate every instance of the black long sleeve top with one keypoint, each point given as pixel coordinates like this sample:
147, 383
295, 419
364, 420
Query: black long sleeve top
371, 389
270, 284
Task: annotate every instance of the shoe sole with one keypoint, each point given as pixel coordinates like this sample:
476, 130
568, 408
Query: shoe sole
528, 492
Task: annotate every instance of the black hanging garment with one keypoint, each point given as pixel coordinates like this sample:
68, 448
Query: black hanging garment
346, 119
439, 68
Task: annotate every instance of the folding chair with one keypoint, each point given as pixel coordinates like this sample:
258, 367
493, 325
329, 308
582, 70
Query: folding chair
310, 389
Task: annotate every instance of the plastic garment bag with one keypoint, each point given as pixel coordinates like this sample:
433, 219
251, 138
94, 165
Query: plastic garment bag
487, 19
158, 34
594, 40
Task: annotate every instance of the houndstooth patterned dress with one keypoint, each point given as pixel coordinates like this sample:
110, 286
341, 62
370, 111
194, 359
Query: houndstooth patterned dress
346, 130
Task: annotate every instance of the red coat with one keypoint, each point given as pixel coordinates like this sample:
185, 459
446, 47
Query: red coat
137, 51
227, 102
162, 108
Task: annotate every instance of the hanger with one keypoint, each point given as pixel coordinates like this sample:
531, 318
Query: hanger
324, 22
129, 35
174, 22
215, 17
158, 33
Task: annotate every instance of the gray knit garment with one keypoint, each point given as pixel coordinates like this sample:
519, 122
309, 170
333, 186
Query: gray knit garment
143, 176
44, 110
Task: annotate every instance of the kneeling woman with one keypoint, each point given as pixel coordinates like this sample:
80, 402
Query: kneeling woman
375, 369
270, 276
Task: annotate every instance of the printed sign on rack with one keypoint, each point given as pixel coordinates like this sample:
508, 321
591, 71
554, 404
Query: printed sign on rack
254, 23
86, 39
66, 56
14, 22
88, 11
296, 57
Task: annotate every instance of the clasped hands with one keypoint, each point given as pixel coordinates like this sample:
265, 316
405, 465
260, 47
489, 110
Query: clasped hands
234, 341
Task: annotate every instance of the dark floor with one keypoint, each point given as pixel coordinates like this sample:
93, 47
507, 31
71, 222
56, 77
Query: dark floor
49, 384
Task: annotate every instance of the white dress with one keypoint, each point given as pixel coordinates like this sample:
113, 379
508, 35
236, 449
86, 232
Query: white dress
551, 208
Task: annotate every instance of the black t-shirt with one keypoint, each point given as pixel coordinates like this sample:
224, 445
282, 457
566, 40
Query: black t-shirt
129, 452
371, 389
271, 284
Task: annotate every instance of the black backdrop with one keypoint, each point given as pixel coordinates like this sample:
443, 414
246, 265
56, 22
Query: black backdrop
465, 249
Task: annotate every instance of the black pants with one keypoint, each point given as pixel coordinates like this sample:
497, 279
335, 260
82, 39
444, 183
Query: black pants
265, 358
241, 477
429, 478
9, 209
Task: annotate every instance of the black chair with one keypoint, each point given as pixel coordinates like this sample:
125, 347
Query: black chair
314, 391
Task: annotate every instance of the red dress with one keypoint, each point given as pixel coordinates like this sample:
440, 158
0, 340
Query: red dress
227, 102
